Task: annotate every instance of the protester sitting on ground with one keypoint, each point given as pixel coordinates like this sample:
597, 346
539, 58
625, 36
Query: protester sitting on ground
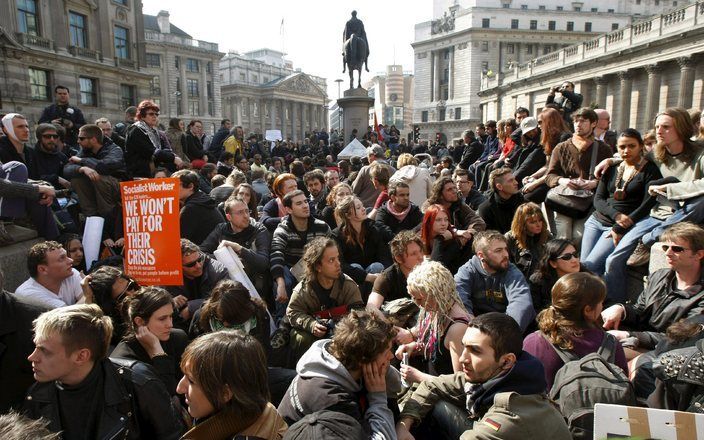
274, 211
500, 392
205, 174
323, 297
108, 287
354, 363
489, 282
440, 240
363, 243
466, 189
527, 238
339, 192
380, 174
362, 185
671, 294
232, 182
49, 159
260, 186
571, 323
506, 145
217, 180
442, 321
74, 249
245, 192
225, 385
399, 213
14, 145
530, 157
462, 217
505, 197
52, 282
277, 165
82, 393
225, 163
151, 337
417, 178
194, 144
199, 213
315, 183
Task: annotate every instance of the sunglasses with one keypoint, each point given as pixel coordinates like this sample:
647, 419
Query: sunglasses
132, 286
568, 257
676, 249
194, 262
50, 136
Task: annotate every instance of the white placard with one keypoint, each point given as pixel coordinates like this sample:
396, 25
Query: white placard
660, 424
92, 238
273, 135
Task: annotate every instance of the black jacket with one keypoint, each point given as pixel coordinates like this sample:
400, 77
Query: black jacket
141, 154
255, 241
198, 289
108, 161
135, 402
375, 250
73, 114
530, 160
199, 216
471, 153
413, 219
49, 165
216, 144
194, 147
498, 213
8, 153
16, 316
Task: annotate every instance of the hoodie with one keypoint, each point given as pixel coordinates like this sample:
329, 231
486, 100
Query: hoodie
498, 213
199, 216
419, 181
504, 292
323, 383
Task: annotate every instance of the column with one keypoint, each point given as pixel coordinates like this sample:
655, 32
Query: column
311, 121
302, 126
284, 106
203, 88
652, 98
684, 99
184, 87
438, 75
272, 114
238, 111
294, 121
451, 85
262, 115
432, 75
624, 118
601, 82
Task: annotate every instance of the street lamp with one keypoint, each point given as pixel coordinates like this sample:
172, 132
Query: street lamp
339, 109
338, 81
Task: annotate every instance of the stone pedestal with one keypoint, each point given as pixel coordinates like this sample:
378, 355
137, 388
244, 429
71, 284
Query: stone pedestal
355, 110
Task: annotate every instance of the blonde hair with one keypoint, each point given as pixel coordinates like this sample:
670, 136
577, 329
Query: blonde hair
79, 326
331, 198
519, 225
406, 159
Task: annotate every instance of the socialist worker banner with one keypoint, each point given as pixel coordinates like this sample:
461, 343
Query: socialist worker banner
150, 217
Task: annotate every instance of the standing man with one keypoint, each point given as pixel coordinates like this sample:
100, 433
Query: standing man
363, 186
130, 118
109, 133
505, 198
235, 142
216, 144
568, 101
63, 114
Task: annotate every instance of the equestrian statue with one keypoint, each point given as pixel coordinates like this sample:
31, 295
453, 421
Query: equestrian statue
355, 48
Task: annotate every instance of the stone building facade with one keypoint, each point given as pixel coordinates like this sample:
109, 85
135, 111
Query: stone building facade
470, 39
90, 46
184, 73
261, 91
393, 98
633, 73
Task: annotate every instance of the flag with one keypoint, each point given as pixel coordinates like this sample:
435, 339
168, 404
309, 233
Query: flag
281, 28
376, 128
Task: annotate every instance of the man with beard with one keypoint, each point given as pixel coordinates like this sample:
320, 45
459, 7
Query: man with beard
315, 182
65, 115
235, 142
399, 213
500, 392
490, 283
49, 160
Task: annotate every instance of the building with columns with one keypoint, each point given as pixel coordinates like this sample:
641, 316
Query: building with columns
467, 40
393, 98
261, 91
634, 72
184, 73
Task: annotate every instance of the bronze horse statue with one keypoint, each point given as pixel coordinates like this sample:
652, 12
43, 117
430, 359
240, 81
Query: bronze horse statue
354, 55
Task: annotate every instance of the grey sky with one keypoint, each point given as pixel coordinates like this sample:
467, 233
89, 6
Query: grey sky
312, 29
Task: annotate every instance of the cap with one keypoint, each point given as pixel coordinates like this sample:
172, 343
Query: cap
376, 150
329, 425
528, 124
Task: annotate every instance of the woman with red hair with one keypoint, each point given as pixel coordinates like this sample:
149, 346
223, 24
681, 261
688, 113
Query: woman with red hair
274, 210
145, 147
441, 242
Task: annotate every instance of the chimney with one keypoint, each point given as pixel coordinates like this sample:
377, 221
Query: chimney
162, 19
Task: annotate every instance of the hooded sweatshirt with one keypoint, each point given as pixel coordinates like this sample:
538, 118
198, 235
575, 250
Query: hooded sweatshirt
504, 292
323, 383
419, 181
199, 216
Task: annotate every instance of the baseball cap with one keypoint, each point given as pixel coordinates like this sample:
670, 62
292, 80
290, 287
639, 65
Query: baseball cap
528, 124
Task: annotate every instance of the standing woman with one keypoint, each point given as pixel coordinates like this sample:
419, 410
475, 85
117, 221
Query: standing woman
143, 147
441, 242
225, 385
177, 139
527, 238
151, 337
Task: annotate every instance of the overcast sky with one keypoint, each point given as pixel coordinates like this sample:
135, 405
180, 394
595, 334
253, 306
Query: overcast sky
312, 29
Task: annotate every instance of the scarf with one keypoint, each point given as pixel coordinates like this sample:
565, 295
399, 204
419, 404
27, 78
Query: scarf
150, 132
400, 216
7, 124
476, 392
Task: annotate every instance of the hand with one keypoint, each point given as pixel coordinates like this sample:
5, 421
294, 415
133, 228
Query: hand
624, 221
74, 159
375, 376
56, 121
148, 340
529, 188
528, 179
180, 301
90, 173
412, 375
108, 242
231, 244
46, 194
404, 336
590, 184
403, 430
178, 162
405, 348
655, 190
371, 277
447, 235
120, 242
572, 183
319, 330
601, 168
612, 316
615, 236
620, 334
88, 296
281, 295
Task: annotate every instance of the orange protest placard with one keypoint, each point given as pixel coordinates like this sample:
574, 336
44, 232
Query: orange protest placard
150, 216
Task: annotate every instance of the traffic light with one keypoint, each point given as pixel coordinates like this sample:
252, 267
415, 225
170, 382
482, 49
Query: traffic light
416, 133
438, 137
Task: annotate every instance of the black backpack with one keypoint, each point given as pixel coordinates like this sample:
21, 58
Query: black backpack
583, 382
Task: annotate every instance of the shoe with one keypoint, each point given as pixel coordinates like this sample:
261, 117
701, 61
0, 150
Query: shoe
640, 256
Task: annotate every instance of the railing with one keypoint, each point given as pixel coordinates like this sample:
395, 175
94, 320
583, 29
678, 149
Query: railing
170, 38
34, 40
84, 52
126, 63
671, 23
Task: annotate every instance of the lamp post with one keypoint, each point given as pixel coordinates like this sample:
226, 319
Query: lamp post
339, 109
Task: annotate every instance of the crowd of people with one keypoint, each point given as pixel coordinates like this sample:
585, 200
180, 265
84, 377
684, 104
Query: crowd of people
423, 291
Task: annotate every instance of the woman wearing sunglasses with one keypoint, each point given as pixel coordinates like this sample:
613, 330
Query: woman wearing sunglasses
559, 259
151, 337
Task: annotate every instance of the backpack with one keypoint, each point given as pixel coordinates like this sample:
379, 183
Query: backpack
581, 383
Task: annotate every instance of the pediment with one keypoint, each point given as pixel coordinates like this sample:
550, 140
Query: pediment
299, 83
7, 39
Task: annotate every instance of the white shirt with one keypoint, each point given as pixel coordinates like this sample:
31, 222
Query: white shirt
70, 292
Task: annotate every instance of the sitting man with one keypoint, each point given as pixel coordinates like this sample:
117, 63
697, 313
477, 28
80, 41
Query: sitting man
348, 374
199, 213
53, 282
200, 275
499, 394
315, 183
399, 213
490, 283
322, 297
82, 393
50, 160
466, 189
505, 198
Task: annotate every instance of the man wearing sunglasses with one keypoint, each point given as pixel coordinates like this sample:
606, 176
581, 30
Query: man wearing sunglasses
671, 294
50, 160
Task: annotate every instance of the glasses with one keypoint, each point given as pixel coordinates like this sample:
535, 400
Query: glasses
568, 257
50, 136
152, 113
194, 262
676, 249
131, 286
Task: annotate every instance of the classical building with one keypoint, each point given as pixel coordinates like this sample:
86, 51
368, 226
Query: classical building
261, 91
184, 72
89, 46
469, 39
633, 72
393, 98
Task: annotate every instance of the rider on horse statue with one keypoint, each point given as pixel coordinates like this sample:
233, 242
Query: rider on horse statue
355, 48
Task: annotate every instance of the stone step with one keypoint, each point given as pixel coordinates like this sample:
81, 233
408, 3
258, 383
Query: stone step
13, 257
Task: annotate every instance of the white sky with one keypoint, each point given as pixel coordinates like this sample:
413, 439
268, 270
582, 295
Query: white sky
312, 29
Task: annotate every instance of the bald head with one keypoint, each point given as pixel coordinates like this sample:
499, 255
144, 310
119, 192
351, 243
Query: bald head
604, 121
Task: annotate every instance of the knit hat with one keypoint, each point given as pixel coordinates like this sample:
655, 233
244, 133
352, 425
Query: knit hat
325, 425
376, 150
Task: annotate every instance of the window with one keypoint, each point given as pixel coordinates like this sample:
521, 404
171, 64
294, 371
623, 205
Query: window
155, 86
614, 26
485, 66
637, 2
192, 65
506, 5
541, 7
458, 113
657, 2
255, 79
510, 48
595, 9
39, 84
551, 25
153, 60
534, 24
27, 21
570, 26
209, 67
610, 11
77, 30
177, 62
88, 90
193, 108
485, 46
192, 87
547, 50
424, 116
524, 6
243, 77
122, 43
120, 2
209, 89
445, 55
559, 8
486, 22
674, 4
587, 26
211, 108
529, 49
514, 23
127, 95
265, 79
441, 114
577, 9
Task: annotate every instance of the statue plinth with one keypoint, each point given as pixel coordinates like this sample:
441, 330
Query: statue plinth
355, 110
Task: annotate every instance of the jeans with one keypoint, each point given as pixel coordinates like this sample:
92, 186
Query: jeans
290, 282
692, 211
569, 228
597, 245
372, 268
